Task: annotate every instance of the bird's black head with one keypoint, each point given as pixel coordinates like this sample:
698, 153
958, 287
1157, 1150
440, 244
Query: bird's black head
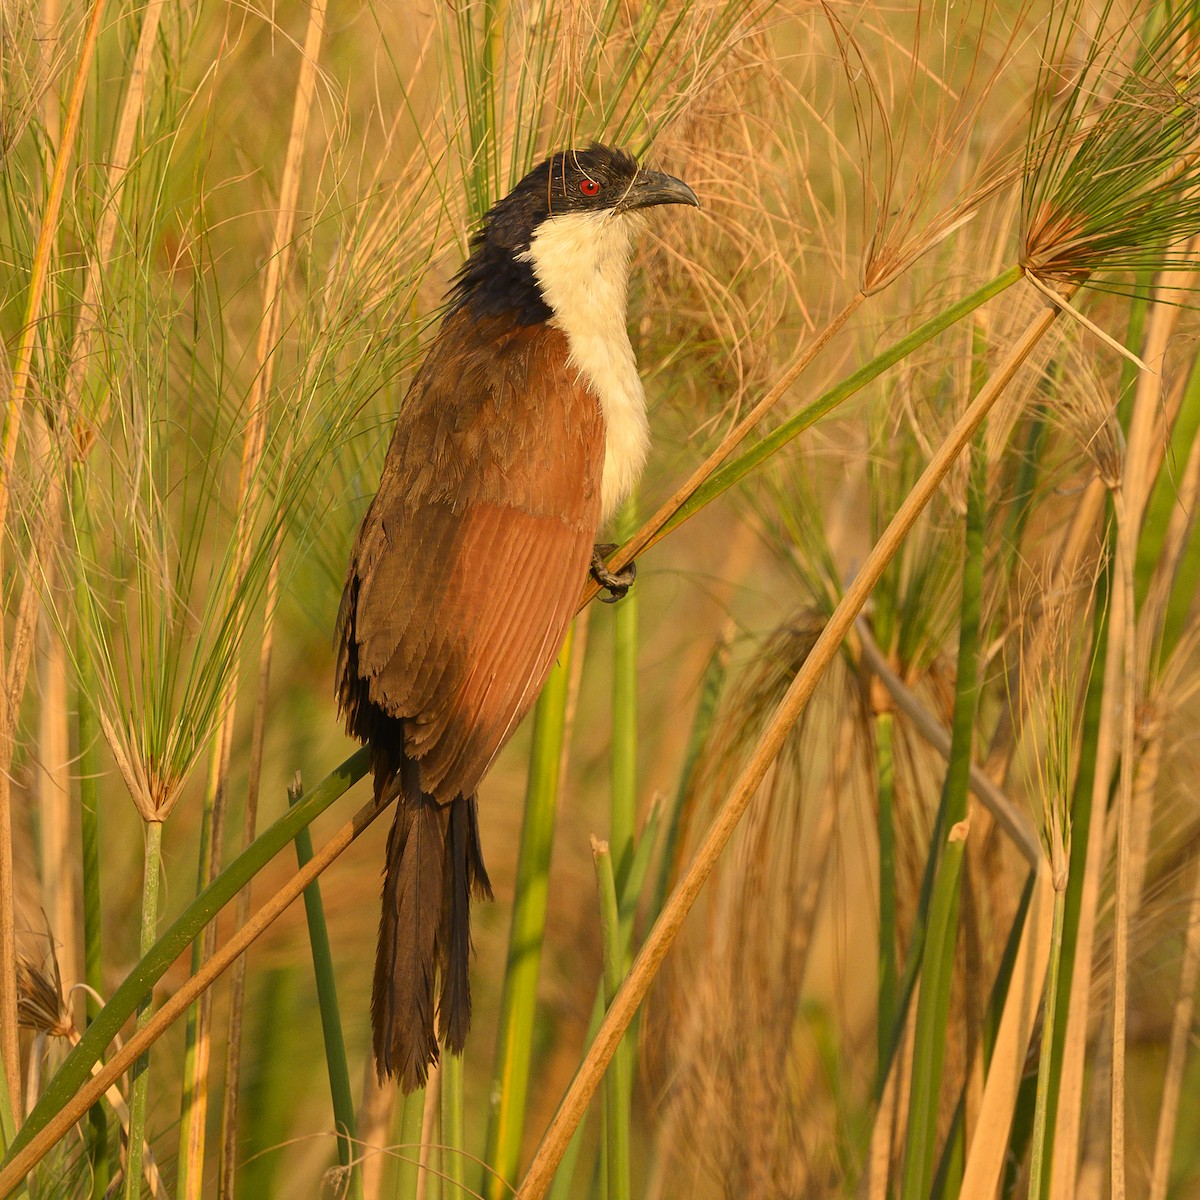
496, 278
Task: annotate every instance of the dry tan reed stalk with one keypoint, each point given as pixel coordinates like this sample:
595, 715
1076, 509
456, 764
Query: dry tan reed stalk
196, 1096
1181, 1036
651, 530
55, 808
23, 362
35, 1150
989, 1146
1130, 495
237, 989
1130, 499
18, 385
1127, 539
645, 967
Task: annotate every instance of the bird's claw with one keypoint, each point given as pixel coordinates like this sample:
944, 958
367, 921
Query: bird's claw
616, 583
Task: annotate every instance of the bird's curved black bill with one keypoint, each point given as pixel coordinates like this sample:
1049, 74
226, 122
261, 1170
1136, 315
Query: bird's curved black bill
650, 188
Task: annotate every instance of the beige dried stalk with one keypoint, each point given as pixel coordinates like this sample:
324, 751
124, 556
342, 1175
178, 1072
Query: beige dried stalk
195, 1106
18, 386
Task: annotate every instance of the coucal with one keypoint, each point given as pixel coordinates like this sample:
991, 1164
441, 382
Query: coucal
523, 430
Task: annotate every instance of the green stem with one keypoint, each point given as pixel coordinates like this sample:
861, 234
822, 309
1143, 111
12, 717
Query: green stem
152, 874
89, 821
885, 769
327, 1001
616, 1082
937, 962
408, 1166
454, 1162
618, 866
193, 1109
8, 1125
1038, 1161
625, 717
518, 1005
137, 985
1081, 823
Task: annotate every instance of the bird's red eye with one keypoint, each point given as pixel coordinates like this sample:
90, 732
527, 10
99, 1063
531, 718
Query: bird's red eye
589, 187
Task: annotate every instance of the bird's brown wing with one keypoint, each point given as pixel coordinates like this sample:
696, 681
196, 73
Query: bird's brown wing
469, 563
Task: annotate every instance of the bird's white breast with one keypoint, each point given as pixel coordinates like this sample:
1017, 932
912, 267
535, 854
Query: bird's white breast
581, 261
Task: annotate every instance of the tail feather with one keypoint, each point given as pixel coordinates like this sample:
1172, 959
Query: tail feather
465, 875
434, 864
454, 1007
481, 885
407, 958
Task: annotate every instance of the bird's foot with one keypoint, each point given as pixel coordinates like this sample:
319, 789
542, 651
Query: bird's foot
616, 583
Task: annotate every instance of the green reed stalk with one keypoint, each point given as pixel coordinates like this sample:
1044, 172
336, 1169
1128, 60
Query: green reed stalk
885, 771
937, 963
1040, 1160
454, 1138
8, 1125
93, 913
623, 821
411, 1112
617, 1082
1164, 499
518, 1004
327, 1001
152, 875
1081, 822
620, 866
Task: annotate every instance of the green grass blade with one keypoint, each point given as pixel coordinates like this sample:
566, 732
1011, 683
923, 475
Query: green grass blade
8, 1126
453, 1140
616, 1082
89, 822
331, 1020
1081, 821
937, 963
139, 1100
174, 941
518, 1005
411, 1113
1038, 1162
886, 830
625, 719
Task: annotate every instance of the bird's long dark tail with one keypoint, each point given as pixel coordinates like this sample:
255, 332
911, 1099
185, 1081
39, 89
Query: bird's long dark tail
434, 863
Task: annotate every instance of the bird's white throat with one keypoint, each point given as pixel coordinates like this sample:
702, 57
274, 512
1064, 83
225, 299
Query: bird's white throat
581, 262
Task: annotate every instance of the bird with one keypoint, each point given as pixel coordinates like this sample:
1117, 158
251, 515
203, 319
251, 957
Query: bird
522, 431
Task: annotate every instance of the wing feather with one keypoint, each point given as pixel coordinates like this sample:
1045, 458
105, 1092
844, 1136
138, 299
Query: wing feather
470, 559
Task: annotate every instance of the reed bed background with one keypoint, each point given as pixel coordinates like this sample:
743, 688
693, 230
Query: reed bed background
855, 853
